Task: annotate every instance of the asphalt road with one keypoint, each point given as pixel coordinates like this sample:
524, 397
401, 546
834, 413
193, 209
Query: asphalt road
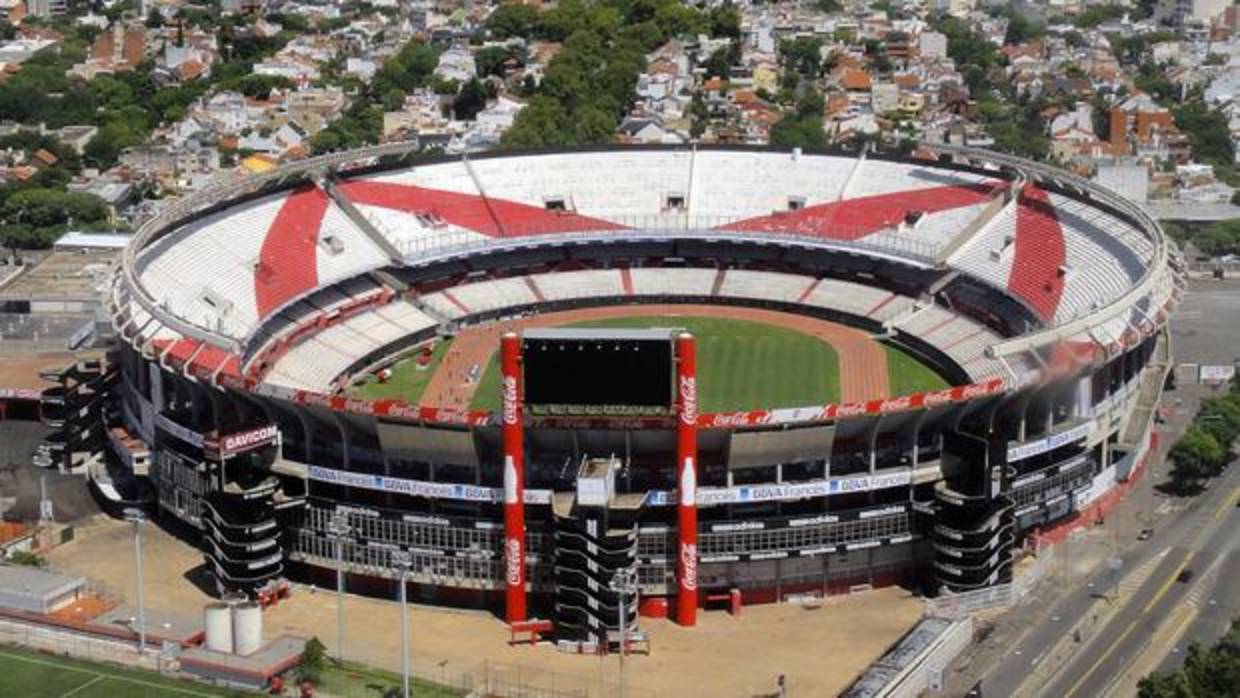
1220, 603
1210, 532
1029, 654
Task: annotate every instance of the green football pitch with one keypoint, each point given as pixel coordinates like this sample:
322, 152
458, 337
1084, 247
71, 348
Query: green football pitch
742, 365
408, 380
28, 674
745, 365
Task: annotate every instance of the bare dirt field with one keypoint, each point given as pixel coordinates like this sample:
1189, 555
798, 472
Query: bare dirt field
819, 649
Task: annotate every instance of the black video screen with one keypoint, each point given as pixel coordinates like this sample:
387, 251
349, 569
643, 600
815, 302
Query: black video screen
603, 372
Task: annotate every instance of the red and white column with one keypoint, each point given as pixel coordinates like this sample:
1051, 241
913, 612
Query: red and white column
514, 478
686, 477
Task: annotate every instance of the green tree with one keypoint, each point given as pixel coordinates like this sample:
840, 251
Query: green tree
105, 147
513, 20
490, 60
1219, 239
471, 100
1207, 131
541, 123
802, 54
1212, 672
725, 20
1196, 456
1097, 14
408, 70
721, 61
1022, 28
313, 661
26, 559
803, 126
43, 208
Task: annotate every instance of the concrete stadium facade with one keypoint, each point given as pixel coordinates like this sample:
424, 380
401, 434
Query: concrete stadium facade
1042, 298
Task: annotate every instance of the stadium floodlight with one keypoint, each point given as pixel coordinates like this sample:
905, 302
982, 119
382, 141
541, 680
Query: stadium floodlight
339, 528
624, 583
136, 517
403, 561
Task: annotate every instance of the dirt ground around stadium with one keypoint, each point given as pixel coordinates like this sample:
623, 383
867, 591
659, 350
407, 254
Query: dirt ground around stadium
863, 361
820, 649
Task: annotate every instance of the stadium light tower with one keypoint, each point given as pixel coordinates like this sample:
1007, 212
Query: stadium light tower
403, 560
136, 517
339, 528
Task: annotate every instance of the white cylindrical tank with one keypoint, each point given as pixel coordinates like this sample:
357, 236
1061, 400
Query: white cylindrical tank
218, 623
247, 628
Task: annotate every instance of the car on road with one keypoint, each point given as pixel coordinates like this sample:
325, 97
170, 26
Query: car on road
1185, 576
1145, 534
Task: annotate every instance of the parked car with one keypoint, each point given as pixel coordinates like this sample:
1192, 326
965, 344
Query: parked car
1145, 534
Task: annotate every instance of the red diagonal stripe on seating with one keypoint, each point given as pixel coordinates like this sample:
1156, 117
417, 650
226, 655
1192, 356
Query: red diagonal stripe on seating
289, 261
1040, 252
470, 211
853, 219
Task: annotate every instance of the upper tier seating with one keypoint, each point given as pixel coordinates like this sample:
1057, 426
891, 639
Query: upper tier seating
881, 177
745, 187
227, 270
232, 271
623, 186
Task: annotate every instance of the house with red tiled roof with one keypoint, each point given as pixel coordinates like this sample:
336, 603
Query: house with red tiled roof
852, 79
43, 158
191, 70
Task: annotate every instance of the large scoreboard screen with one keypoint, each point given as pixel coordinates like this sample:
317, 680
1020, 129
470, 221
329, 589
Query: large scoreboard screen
583, 369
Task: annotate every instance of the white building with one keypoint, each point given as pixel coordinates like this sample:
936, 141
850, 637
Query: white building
457, 63
47, 8
1129, 181
1182, 12
499, 116
932, 45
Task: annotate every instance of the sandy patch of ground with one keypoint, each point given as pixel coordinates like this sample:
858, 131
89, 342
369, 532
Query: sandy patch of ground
820, 650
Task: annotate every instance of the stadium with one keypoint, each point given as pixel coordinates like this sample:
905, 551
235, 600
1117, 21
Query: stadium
735, 372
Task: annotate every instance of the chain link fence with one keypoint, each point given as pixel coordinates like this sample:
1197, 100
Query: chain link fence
517, 681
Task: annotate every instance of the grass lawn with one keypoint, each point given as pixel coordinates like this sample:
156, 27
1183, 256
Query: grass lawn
36, 675
908, 375
742, 365
349, 680
407, 382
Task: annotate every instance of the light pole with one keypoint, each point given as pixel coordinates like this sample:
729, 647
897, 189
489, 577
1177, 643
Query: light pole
339, 528
403, 560
136, 517
624, 582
